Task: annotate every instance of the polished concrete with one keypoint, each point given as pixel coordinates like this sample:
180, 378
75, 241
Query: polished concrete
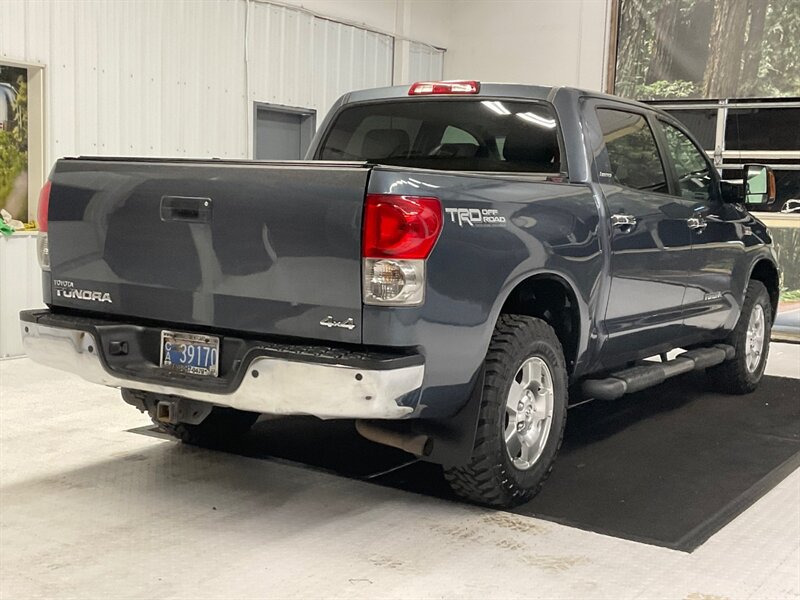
89, 510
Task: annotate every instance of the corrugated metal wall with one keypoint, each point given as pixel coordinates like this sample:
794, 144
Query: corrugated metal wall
172, 78
425, 62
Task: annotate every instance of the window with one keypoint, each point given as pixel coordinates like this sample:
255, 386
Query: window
452, 134
763, 129
702, 123
691, 167
632, 151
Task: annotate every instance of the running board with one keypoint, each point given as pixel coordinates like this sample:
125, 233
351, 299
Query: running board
646, 374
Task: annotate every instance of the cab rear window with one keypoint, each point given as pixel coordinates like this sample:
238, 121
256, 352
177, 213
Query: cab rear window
461, 135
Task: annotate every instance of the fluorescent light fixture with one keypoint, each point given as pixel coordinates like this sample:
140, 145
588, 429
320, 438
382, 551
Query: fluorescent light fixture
537, 120
496, 106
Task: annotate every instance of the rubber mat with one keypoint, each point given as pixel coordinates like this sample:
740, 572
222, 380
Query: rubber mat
669, 466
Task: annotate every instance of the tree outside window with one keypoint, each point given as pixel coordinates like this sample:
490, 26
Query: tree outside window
14, 141
708, 49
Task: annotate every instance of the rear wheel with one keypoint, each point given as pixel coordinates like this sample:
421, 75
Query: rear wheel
750, 338
522, 416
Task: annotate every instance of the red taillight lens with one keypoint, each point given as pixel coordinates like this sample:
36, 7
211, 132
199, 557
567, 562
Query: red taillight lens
400, 226
44, 207
426, 88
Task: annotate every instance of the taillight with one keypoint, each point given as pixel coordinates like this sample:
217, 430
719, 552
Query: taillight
399, 234
401, 226
427, 88
42, 246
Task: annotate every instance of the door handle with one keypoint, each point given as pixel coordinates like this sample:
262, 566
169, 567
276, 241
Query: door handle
697, 224
624, 223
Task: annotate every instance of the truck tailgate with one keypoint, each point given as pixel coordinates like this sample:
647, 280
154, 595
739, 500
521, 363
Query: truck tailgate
268, 248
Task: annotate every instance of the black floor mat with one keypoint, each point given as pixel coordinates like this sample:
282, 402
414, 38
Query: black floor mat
669, 466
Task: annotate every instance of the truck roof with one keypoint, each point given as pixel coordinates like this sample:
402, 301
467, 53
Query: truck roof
508, 90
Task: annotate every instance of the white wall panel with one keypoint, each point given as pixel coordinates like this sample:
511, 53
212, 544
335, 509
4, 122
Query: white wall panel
170, 78
297, 59
545, 42
20, 288
425, 63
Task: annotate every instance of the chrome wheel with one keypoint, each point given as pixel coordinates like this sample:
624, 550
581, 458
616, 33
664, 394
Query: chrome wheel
529, 413
754, 342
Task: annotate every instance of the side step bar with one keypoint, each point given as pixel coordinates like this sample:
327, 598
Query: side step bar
645, 374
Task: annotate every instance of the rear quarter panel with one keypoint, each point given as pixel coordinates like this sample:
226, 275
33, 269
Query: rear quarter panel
547, 228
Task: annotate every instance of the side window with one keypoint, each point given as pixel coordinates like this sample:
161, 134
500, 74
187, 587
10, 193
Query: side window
632, 151
691, 167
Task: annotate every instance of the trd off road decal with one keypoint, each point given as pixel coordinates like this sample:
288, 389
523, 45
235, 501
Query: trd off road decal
476, 217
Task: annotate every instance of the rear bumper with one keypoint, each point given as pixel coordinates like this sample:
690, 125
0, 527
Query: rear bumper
255, 376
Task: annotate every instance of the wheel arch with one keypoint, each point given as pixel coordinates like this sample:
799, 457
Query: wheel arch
766, 271
551, 297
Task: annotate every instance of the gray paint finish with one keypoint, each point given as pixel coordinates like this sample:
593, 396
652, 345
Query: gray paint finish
282, 251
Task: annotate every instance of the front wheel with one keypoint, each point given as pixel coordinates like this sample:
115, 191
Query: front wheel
750, 338
522, 416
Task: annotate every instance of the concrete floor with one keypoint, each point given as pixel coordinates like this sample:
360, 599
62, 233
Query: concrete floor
88, 510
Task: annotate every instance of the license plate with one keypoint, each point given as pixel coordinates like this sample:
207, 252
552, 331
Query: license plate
190, 353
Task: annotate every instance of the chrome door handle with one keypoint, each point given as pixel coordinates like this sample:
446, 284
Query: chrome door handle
623, 222
697, 224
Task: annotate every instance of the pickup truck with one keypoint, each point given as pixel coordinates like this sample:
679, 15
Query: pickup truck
453, 266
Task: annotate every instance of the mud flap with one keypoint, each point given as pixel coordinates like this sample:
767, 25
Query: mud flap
454, 438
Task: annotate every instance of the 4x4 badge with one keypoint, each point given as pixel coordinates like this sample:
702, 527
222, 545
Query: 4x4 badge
329, 321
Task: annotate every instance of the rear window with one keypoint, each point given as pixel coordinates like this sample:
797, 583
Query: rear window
454, 135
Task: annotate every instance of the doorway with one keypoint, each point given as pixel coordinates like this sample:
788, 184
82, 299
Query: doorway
282, 132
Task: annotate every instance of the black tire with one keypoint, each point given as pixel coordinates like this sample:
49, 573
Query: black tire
733, 376
491, 477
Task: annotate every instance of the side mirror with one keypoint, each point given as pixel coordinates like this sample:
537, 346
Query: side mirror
759, 185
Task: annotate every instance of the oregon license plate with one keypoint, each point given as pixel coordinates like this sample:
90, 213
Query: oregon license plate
190, 353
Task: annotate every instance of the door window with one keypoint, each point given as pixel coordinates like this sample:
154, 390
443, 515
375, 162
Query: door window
632, 151
691, 167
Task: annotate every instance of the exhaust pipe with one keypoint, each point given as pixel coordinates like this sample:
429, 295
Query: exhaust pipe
413, 443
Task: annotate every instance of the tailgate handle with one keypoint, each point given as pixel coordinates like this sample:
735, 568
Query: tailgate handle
185, 208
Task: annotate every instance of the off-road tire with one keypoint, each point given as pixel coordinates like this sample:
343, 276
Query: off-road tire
732, 376
490, 478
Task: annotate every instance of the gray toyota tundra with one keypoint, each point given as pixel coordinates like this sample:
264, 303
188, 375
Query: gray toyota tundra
455, 264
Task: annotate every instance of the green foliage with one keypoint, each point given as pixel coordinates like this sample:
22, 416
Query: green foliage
779, 69
667, 89
14, 145
777, 57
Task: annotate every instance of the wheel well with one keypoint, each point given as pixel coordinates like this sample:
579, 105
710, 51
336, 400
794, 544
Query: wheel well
551, 299
766, 273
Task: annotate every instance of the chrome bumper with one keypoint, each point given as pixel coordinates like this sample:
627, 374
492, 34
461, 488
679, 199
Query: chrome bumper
270, 385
